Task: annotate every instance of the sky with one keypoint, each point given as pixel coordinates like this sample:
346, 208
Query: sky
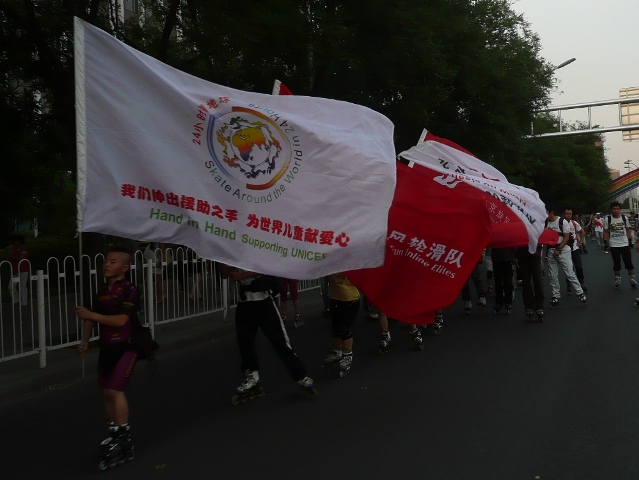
602, 36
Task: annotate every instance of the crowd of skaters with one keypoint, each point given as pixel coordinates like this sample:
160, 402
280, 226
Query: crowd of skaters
258, 308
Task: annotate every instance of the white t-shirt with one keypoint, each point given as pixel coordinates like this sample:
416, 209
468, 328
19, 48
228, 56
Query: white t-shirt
555, 226
574, 233
617, 235
598, 224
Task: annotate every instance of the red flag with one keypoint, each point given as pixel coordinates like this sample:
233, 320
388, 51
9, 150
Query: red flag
280, 89
446, 210
436, 235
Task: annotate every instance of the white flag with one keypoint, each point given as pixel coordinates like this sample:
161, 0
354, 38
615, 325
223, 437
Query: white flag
508, 204
293, 186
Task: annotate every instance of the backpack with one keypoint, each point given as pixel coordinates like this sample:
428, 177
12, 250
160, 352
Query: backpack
561, 231
141, 339
623, 218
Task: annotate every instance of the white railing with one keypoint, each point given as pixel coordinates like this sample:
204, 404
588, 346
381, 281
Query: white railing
175, 286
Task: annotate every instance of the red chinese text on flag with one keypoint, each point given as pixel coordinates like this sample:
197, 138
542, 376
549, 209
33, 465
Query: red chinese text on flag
436, 235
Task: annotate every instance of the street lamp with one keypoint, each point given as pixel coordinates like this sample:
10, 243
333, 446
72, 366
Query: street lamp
561, 65
628, 163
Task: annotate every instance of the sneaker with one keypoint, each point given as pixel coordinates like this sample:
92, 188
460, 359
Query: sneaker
540, 314
481, 302
582, 298
617, 281
468, 307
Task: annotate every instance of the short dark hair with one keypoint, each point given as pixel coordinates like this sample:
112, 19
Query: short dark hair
551, 208
615, 204
120, 249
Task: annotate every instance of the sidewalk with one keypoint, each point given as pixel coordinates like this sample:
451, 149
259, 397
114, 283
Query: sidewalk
22, 378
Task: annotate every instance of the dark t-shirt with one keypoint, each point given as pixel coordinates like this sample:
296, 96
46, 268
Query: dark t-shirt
122, 298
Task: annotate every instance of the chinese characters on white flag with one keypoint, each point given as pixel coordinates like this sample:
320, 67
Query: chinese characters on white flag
293, 186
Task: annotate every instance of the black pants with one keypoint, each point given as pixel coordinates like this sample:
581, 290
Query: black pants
475, 276
249, 316
530, 272
624, 253
503, 282
579, 268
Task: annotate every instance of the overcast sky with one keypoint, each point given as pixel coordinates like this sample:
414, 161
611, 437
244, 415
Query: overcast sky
603, 36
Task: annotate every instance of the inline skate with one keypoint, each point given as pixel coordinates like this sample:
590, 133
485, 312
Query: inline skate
297, 321
345, 363
249, 389
540, 314
307, 384
385, 343
617, 283
435, 328
554, 302
530, 313
417, 338
117, 448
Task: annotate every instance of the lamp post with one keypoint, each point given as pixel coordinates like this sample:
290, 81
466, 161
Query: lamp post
631, 200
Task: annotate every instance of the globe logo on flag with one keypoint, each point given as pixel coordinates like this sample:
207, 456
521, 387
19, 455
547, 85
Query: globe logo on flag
247, 146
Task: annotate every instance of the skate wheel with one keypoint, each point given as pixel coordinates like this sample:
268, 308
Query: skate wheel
103, 465
113, 462
261, 392
235, 400
343, 373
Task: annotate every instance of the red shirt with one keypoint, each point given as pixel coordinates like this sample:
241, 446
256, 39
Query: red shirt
18, 254
121, 298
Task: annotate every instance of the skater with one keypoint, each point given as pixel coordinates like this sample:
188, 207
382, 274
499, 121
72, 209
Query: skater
475, 276
578, 237
345, 301
385, 341
530, 271
287, 285
598, 223
503, 260
115, 307
560, 255
256, 308
618, 234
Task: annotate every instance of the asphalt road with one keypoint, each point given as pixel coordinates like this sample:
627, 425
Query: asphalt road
491, 397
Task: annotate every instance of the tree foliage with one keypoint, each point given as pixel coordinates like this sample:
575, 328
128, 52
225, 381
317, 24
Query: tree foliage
468, 70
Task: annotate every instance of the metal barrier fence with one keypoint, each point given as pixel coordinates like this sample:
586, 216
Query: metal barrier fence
37, 309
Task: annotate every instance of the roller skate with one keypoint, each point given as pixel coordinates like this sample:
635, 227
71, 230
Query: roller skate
530, 313
554, 302
481, 302
307, 384
249, 389
117, 448
468, 307
508, 307
332, 360
385, 343
633, 282
435, 328
617, 283
582, 299
540, 314
297, 321
345, 363
497, 308
417, 337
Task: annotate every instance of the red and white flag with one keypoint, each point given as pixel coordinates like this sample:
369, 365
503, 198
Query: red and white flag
280, 89
448, 207
292, 186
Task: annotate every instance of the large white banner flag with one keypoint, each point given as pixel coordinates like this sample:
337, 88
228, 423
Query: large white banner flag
293, 186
